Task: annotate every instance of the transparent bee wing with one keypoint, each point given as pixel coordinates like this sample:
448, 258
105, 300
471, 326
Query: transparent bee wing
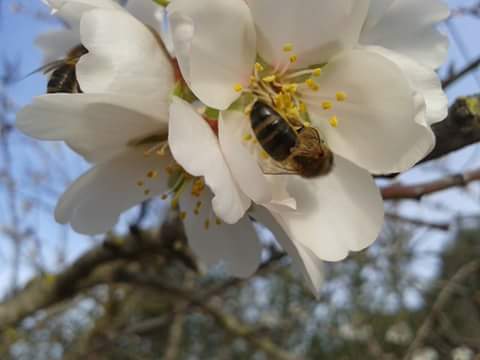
45, 69
272, 167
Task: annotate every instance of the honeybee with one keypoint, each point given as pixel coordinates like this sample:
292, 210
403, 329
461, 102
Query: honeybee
64, 78
300, 151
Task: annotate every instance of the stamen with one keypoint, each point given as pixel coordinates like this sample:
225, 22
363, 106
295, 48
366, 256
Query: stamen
291, 88
303, 107
183, 215
247, 137
327, 105
312, 84
206, 224
146, 192
218, 221
238, 87
317, 72
333, 121
269, 79
197, 187
288, 47
140, 183
293, 59
152, 174
341, 96
259, 67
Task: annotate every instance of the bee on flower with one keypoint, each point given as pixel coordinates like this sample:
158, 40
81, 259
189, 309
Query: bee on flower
278, 113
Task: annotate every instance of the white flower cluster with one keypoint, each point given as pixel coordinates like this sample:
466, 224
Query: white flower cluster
195, 103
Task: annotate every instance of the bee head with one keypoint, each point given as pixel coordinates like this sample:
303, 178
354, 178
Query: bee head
310, 164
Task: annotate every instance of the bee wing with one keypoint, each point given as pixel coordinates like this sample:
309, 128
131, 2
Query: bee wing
45, 69
272, 167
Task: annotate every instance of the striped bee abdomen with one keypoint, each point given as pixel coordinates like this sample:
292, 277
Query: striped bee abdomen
272, 131
63, 80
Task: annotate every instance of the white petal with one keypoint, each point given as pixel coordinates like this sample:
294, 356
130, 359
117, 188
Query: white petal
236, 245
424, 81
56, 44
303, 258
376, 125
410, 28
124, 56
71, 11
146, 12
317, 29
93, 203
335, 214
215, 46
196, 148
243, 165
96, 126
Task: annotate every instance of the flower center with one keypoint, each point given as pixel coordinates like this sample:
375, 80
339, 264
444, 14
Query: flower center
179, 182
288, 91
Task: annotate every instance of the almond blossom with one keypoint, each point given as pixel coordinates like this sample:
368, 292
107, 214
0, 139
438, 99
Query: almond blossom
120, 125
371, 104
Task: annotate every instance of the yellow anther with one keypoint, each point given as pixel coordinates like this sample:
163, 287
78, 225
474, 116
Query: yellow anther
291, 88
278, 101
333, 121
207, 224
327, 105
259, 67
164, 197
197, 187
196, 212
269, 79
247, 137
198, 205
303, 107
293, 59
170, 169
264, 155
288, 47
317, 72
174, 203
238, 87
341, 96
152, 174
146, 192
183, 215
312, 84
287, 100
293, 112
218, 221
140, 183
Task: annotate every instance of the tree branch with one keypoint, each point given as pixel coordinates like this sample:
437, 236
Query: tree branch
452, 78
443, 299
417, 191
460, 129
45, 291
226, 321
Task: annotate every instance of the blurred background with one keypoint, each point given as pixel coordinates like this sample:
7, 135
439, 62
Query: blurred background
138, 293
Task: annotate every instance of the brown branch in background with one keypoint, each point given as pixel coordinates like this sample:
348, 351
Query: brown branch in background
418, 222
441, 302
226, 321
455, 76
45, 291
417, 191
460, 129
